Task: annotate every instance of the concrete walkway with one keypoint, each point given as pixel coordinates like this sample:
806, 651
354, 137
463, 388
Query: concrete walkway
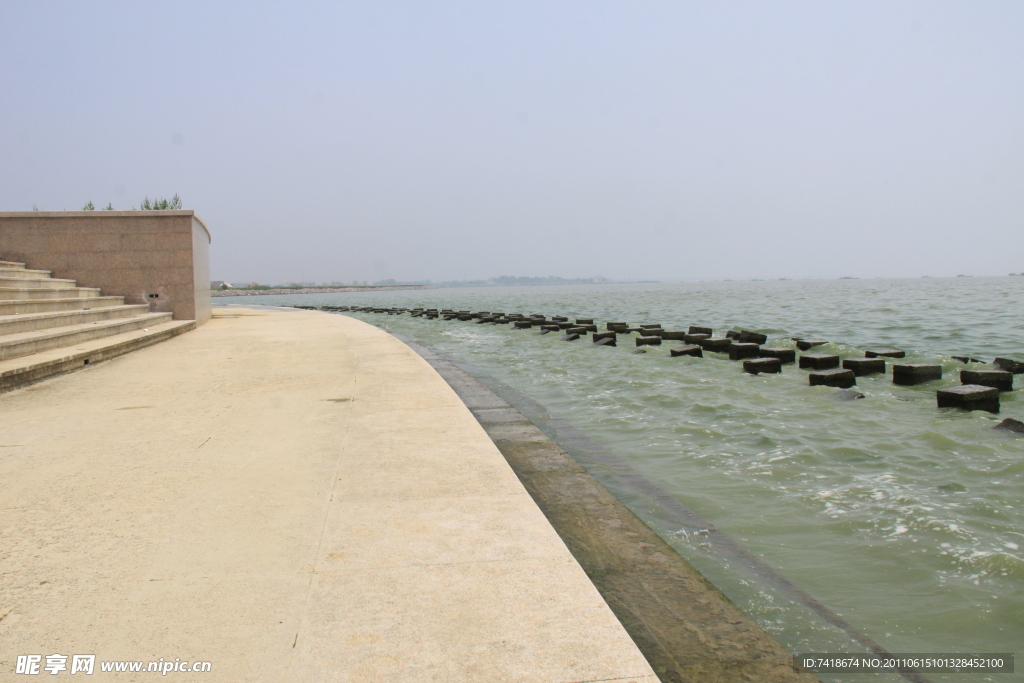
291, 496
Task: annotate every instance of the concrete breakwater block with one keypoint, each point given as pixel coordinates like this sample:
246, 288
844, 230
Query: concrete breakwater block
578, 329
1009, 365
572, 336
587, 327
967, 359
566, 325
700, 330
732, 334
584, 321
819, 361
550, 328
603, 335
969, 397
673, 334
465, 316
695, 338
758, 365
998, 379
885, 353
909, 374
648, 341
522, 324
739, 351
1011, 425
846, 395
485, 319
836, 377
716, 344
652, 326
559, 319
747, 337
864, 366
649, 331
616, 327
688, 350
784, 355
605, 341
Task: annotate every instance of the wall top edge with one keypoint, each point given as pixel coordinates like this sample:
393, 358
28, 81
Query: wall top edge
99, 213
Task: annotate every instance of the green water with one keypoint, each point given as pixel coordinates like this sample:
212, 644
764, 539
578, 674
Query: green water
905, 519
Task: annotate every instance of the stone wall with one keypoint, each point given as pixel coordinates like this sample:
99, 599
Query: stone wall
160, 258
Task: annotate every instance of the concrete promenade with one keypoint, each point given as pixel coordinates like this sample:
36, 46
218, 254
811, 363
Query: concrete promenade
291, 496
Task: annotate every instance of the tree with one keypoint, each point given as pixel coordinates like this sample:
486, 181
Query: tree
160, 204
89, 207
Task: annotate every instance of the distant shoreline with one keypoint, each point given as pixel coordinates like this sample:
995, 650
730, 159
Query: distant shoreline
312, 290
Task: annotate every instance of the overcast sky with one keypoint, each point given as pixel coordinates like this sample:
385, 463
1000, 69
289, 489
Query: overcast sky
450, 140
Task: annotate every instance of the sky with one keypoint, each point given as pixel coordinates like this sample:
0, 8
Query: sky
340, 141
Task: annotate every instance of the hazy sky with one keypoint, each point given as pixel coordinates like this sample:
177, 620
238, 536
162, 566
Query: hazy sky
449, 140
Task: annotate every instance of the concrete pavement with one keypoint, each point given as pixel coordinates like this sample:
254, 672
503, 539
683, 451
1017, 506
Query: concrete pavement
291, 496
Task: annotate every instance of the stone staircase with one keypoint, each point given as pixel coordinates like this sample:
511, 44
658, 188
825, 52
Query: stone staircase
49, 325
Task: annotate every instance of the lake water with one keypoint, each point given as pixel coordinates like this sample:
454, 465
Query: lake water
905, 519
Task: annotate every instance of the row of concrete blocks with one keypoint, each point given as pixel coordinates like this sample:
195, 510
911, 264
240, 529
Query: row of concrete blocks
979, 390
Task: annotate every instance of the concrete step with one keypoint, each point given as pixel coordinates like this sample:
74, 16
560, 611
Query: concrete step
11, 264
49, 305
23, 273
28, 322
27, 369
23, 293
26, 343
37, 282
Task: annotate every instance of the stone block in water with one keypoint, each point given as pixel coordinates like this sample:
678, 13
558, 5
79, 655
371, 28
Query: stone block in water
747, 337
605, 341
819, 361
559, 319
587, 327
741, 351
864, 366
885, 353
572, 336
673, 334
846, 395
584, 321
999, 379
566, 325
651, 340
688, 350
640, 351
732, 334
784, 355
577, 329
550, 327
909, 374
695, 338
602, 335
522, 324
969, 397
700, 330
716, 344
651, 331
836, 377
617, 327
1009, 365
759, 365
967, 359
1011, 425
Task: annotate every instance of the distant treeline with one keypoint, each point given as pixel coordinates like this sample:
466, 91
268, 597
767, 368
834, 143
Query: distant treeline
504, 281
